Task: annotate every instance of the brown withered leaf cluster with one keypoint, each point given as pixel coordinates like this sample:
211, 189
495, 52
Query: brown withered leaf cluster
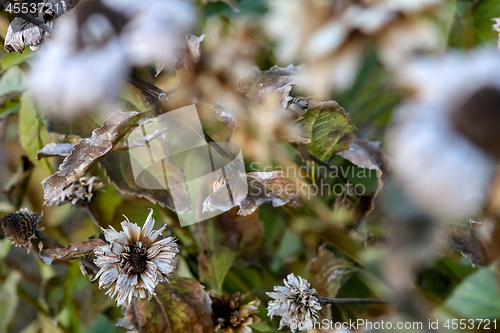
231, 315
181, 306
89, 151
331, 46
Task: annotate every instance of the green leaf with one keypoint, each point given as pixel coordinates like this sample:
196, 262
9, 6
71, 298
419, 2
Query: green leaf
9, 108
215, 258
9, 60
263, 327
181, 306
329, 128
8, 299
478, 296
13, 82
34, 135
484, 12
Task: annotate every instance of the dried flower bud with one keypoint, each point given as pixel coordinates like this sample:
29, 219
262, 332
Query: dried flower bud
230, 315
20, 227
80, 192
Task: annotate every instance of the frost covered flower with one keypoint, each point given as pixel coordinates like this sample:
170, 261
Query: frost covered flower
20, 227
230, 315
296, 303
22, 33
328, 37
135, 260
444, 141
80, 192
95, 47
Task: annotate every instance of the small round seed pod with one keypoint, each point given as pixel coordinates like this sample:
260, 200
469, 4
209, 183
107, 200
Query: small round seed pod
20, 227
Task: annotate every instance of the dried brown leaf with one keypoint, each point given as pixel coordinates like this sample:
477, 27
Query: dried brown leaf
368, 154
263, 187
55, 149
469, 245
89, 151
328, 273
259, 85
182, 306
70, 252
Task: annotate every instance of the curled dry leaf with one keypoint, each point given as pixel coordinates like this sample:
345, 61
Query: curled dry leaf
469, 245
181, 306
263, 187
89, 151
186, 61
55, 149
329, 128
259, 85
70, 252
369, 155
328, 274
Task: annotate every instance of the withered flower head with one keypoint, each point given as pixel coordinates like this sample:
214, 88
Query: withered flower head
134, 261
80, 192
296, 302
453, 113
20, 227
99, 43
230, 315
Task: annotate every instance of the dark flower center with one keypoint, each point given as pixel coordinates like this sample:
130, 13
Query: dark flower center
137, 259
478, 119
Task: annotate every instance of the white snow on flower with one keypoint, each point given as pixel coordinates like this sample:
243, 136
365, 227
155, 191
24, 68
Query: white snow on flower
440, 169
134, 261
296, 303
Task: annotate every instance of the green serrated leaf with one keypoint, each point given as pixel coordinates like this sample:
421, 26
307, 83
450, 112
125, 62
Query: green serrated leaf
329, 128
34, 135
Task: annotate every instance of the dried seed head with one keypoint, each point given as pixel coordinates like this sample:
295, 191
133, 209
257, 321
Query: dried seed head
134, 261
20, 227
296, 302
80, 192
230, 315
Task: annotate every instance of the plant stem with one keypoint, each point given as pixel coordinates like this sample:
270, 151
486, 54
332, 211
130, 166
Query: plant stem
147, 87
92, 216
325, 300
53, 243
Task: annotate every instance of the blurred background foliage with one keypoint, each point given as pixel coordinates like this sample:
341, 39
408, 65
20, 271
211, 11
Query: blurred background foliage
35, 297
